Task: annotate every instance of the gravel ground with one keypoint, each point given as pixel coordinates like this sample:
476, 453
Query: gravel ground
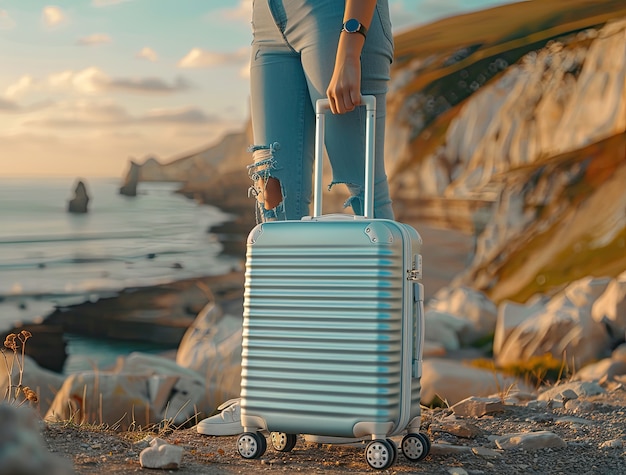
592, 428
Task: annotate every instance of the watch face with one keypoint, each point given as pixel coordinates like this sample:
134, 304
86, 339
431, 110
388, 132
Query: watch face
352, 25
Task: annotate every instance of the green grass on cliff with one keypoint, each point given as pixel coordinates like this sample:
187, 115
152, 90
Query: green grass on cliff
585, 256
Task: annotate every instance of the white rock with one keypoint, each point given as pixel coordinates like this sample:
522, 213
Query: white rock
564, 328
612, 444
610, 307
478, 406
510, 316
443, 328
486, 453
579, 388
141, 389
603, 370
453, 381
161, 455
469, 305
211, 346
492, 133
530, 441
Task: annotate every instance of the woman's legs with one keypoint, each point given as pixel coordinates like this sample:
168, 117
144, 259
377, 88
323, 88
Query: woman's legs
282, 119
293, 58
316, 39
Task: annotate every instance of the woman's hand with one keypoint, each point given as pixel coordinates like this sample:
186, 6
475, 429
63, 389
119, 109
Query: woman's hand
344, 90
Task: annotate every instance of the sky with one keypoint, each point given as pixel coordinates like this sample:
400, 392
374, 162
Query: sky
87, 85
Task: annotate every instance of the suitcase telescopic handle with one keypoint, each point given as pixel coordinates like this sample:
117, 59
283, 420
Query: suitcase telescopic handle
322, 106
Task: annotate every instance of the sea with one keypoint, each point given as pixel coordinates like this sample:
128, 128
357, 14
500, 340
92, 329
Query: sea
50, 258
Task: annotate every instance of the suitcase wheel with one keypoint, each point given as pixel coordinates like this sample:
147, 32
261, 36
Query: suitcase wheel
381, 453
283, 442
395, 450
415, 447
251, 445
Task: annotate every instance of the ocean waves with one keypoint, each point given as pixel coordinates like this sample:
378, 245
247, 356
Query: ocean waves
48, 256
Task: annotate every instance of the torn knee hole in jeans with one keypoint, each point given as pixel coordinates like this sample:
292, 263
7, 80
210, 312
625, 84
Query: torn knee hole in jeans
266, 188
356, 198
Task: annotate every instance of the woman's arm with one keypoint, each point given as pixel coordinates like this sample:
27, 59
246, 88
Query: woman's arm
344, 90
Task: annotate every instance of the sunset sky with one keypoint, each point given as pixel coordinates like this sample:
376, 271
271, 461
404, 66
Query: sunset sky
87, 84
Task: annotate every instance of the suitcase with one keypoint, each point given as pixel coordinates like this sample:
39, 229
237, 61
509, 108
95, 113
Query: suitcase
333, 327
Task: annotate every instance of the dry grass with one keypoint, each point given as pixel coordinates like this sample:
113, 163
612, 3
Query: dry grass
15, 393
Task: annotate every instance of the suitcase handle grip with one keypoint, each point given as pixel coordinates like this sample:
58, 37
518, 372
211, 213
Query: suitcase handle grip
322, 106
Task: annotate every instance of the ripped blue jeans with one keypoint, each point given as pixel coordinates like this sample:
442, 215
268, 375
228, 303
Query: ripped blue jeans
293, 56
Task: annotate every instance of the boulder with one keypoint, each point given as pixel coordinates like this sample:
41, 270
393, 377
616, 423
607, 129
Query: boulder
444, 329
212, 347
610, 307
604, 370
510, 316
452, 381
563, 328
477, 314
22, 448
80, 201
141, 390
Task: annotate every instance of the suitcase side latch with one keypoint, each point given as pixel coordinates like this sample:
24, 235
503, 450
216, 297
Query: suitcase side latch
415, 273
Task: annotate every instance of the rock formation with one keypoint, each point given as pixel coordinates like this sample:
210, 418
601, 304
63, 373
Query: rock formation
22, 448
129, 187
80, 201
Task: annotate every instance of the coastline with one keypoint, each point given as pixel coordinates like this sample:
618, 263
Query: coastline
151, 318
154, 318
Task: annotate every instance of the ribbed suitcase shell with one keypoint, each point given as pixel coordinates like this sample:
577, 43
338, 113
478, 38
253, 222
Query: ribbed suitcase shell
333, 327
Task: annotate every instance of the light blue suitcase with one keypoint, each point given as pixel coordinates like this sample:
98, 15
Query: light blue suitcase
333, 327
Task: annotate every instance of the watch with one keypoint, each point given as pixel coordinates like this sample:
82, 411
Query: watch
354, 26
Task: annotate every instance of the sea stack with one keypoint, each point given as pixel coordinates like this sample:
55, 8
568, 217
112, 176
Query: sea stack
80, 201
129, 188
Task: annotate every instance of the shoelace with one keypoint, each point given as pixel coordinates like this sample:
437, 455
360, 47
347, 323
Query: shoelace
229, 405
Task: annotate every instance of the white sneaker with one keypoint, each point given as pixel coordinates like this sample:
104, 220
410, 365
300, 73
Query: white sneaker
227, 422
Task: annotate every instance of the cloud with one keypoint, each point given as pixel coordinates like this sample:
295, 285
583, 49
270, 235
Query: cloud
199, 58
22, 85
147, 85
90, 81
147, 53
53, 16
95, 39
109, 114
242, 12
93, 80
6, 22
8, 105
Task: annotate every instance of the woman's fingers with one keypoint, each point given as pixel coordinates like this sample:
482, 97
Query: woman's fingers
344, 102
